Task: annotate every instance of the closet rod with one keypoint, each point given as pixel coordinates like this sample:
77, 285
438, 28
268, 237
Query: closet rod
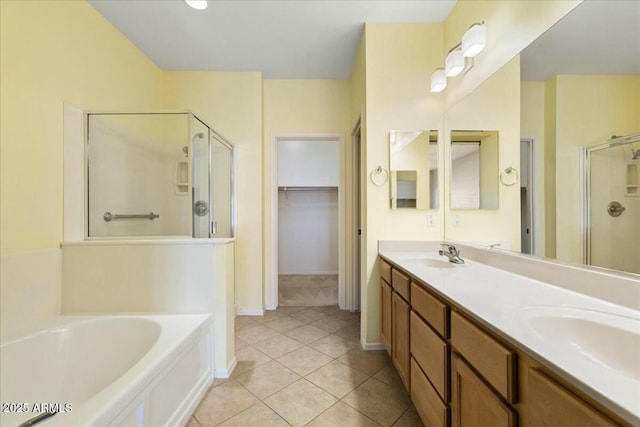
306, 188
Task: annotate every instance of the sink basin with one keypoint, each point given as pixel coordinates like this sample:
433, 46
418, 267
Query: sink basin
606, 340
428, 260
437, 263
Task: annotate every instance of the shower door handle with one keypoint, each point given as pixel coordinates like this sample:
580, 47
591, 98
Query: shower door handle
214, 227
615, 209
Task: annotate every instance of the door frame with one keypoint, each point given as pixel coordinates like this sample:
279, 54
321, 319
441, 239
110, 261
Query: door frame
273, 188
536, 198
356, 216
530, 193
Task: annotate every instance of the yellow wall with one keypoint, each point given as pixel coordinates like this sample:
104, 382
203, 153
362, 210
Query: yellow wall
494, 106
232, 103
299, 106
589, 109
550, 167
399, 62
55, 52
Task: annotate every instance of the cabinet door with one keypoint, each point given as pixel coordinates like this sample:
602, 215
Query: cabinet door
400, 349
552, 405
473, 403
385, 314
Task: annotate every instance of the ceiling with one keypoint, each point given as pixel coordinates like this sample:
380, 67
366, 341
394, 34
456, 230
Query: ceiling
597, 37
284, 39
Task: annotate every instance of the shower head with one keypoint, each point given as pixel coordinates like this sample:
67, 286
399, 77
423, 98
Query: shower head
198, 135
635, 154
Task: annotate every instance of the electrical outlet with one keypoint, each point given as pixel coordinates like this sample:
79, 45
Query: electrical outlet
431, 220
457, 220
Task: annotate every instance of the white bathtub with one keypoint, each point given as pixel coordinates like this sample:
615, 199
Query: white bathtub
120, 370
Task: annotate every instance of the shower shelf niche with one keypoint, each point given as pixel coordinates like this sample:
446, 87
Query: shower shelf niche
181, 178
632, 180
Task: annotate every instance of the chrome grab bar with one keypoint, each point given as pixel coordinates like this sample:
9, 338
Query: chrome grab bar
108, 216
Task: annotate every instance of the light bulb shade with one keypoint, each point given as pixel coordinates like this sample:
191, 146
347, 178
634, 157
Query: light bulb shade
474, 40
438, 80
454, 64
197, 4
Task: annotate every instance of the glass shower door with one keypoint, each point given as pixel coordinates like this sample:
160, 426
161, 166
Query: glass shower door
613, 208
200, 180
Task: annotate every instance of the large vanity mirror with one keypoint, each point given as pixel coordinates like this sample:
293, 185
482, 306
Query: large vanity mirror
580, 85
474, 169
413, 169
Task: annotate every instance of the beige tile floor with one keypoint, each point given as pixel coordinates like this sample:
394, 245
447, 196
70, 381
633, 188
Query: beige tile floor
303, 366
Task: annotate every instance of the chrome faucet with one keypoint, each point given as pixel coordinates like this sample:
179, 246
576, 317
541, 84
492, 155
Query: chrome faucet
451, 252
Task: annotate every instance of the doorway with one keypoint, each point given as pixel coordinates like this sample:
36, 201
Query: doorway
307, 220
526, 196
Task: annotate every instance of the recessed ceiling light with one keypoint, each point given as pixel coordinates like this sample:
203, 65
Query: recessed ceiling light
197, 4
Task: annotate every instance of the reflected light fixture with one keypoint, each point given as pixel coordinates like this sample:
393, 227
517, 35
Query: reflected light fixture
438, 80
455, 63
474, 40
197, 4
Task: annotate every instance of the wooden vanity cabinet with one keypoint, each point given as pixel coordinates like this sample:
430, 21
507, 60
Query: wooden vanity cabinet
460, 373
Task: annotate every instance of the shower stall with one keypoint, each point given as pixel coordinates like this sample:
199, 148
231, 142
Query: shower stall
612, 204
157, 174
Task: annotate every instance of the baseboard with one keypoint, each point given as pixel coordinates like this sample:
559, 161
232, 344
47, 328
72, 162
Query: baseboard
370, 346
226, 373
250, 312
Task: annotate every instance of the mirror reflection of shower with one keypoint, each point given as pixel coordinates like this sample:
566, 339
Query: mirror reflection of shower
185, 150
612, 204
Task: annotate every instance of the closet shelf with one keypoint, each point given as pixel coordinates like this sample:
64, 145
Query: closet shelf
287, 188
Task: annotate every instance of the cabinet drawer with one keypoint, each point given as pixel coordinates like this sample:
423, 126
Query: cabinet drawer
385, 270
431, 353
429, 406
434, 311
495, 362
552, 405
400, 283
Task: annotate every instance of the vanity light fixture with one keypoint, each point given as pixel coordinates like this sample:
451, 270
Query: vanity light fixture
474, 40
197, 4
438, 80
455, 62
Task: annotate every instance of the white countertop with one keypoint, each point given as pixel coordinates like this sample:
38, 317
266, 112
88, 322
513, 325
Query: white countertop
592, 343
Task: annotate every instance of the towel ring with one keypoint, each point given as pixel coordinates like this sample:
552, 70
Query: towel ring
512, 174
379, 176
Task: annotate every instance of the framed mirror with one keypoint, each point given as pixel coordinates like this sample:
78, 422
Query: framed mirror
474, 169
413, 169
